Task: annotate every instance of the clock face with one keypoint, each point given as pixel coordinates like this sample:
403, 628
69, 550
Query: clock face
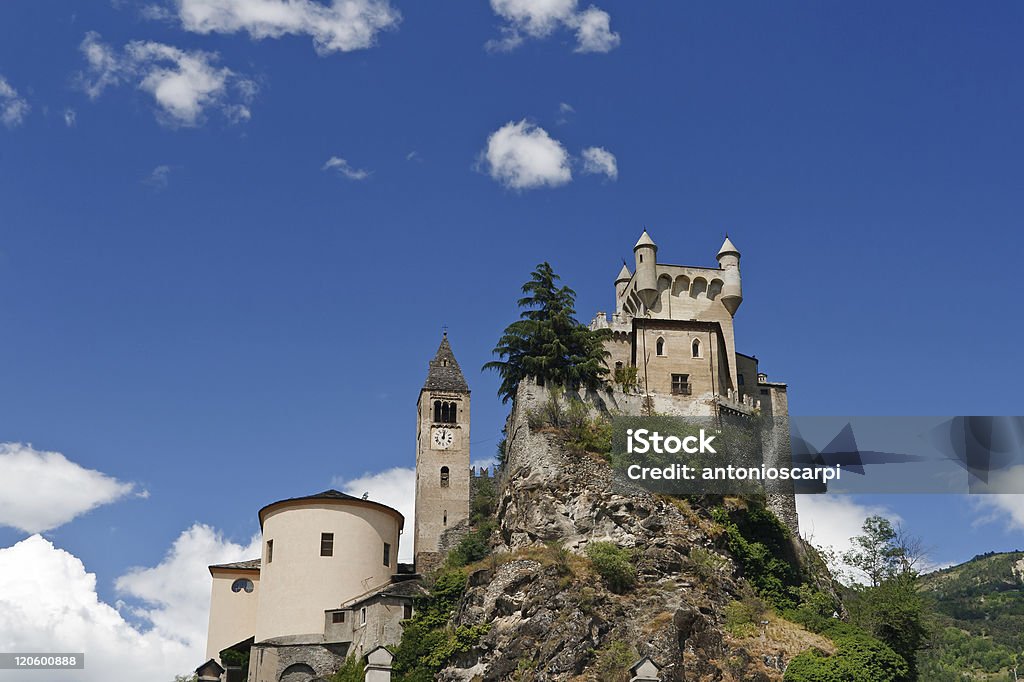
443, 438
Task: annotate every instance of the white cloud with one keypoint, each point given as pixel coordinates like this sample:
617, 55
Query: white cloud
42, 490
70, 118
343, 167
1001, 506
159, 178
396, 488
183, 84
341, 26
48, 602
600, 161
175, 594
540, 18
13, 107
830, 521
594, 32
523, 156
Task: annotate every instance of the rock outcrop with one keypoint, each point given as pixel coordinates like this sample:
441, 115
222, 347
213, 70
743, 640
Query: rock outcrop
550, 615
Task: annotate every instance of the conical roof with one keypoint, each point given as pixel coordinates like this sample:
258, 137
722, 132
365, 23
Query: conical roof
645, 240
728, 247
624, 274
444, 373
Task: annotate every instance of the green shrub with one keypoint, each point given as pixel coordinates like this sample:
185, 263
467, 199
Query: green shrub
352, 671
428, 640
475, 546
857, 659
760, 544
612, 662
613, 564
743, 617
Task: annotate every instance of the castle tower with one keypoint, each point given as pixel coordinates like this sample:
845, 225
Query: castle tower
620, 286
442, 456
646, 253
729, 262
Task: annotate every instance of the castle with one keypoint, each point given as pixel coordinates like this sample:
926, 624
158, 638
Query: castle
328, 583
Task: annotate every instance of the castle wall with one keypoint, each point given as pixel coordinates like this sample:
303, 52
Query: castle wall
299, 584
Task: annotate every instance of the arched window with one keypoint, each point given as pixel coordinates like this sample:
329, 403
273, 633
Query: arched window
242, 584
437, 410
696, 348
444, 477
660, 346
444, 519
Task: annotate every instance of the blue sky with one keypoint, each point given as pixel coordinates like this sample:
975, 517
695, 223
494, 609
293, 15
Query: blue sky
198, 302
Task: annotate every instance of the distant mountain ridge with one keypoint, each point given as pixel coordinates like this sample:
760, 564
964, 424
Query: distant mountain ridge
978, 628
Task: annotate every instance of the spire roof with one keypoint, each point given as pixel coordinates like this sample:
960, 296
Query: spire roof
645, 240
444, 373
624, 274
728, 247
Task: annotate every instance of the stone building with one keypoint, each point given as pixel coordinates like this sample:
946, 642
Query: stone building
673, 340
673, 327
328, 583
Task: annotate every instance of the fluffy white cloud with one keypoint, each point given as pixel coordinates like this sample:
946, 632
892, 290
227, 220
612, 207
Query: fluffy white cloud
42, 490
48, 602
1008, 507
343, 167
341, 26
175, 595
540, 18
594, 31
395, 488
183, 84
600, 161
13, 107
829, 521
523, 156
70, 118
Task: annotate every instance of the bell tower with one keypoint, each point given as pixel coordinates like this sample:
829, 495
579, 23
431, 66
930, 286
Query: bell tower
442, 456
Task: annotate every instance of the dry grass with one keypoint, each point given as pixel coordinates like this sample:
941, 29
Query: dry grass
785, 637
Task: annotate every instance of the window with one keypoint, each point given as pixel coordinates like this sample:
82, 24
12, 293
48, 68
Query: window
445, 412
695, 347
407, 611
338, 617
618, 365
741, 380
660, 346
326, 544
362, 616
242, 584
681, 384
387, 554
764, 391
270, 551
445, 477
444, 519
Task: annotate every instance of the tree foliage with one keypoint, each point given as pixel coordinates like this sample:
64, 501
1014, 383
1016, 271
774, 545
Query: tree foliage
547, 342
858, 659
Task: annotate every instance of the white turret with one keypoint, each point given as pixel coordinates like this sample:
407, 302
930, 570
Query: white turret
620, 286
729, 261
646, 252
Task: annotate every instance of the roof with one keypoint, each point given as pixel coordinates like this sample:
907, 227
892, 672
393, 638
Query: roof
409, 588
444, 373
728, 247
250, 565
331, 495
624, 274
645, 240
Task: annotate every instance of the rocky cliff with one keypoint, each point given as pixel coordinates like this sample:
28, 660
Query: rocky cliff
552, 617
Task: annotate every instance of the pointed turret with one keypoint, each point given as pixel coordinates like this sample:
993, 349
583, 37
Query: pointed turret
646, 252
620, 286
729, 262
444, 373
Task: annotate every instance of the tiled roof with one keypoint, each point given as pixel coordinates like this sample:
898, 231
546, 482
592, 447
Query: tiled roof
444, 373
251, 564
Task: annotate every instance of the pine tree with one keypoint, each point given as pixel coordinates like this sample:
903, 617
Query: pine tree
547, 342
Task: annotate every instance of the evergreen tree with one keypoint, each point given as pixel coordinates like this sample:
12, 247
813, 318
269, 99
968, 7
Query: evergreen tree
547, 342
